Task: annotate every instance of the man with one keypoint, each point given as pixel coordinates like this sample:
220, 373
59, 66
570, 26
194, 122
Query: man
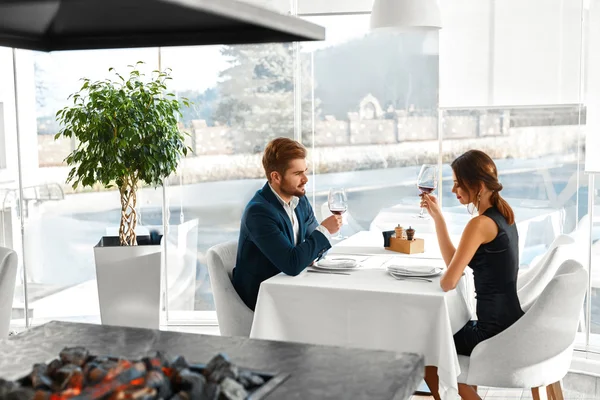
279, 231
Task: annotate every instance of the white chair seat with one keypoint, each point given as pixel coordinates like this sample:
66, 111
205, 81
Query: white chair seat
234, 317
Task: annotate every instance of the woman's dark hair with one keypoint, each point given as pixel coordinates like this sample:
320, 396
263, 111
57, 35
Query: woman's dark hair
474, 168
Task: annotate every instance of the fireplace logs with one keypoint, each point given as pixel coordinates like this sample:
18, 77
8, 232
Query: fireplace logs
81, 375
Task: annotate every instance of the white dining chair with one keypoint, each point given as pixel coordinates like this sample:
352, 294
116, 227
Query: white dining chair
532, 282
535, 352
234, 317
8, 280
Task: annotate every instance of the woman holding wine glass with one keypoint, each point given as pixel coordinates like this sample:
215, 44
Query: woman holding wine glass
489, 245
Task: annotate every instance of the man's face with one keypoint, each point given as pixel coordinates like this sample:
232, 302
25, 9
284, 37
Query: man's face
294, 181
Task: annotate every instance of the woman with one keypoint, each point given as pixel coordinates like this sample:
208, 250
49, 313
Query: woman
489, 245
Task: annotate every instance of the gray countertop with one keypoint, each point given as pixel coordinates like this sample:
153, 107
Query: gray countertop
317, 372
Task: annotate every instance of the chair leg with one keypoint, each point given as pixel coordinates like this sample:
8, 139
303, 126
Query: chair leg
550, 392
556, 391
467, 392
535, 392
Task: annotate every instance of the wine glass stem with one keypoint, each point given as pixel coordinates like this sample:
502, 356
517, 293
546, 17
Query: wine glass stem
421, 212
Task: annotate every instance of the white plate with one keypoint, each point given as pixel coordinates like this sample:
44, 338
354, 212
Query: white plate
410, 277
336, 264
422, 271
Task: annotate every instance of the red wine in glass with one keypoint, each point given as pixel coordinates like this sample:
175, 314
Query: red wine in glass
426, 189
427, 181
337, 210
338, 204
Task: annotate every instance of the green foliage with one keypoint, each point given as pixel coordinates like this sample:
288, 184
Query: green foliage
126, 130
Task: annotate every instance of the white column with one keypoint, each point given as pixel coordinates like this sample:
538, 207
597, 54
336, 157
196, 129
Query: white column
592, 127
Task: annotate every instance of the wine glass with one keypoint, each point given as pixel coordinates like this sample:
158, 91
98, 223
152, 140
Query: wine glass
427, 182
338, 204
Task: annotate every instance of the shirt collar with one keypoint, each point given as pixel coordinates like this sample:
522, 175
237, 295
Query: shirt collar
292, 204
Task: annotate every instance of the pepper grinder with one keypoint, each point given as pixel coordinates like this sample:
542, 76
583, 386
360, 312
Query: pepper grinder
399, 232
410, 233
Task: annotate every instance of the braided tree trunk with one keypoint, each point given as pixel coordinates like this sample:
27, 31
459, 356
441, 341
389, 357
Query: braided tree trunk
128, 214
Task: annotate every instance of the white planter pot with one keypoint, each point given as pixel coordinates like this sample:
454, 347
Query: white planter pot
129, 282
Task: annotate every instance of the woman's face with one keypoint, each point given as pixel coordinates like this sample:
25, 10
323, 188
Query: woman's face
462, 195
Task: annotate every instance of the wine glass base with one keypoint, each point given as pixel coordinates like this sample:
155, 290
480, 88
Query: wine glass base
339, 237
424, 216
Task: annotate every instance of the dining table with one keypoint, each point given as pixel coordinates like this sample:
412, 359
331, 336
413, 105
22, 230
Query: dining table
366, 307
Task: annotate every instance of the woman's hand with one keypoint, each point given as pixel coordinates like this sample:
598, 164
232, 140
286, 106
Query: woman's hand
429, 202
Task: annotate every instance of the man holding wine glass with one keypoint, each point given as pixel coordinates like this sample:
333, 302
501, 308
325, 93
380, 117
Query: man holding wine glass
338, 205
279, 231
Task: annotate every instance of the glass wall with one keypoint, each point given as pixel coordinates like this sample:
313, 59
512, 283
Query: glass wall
511, 83
505, 77
62, 225
374, 100
242, 97
594, 234
525, 106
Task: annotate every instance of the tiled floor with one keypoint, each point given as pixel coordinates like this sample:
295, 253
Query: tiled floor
575, 387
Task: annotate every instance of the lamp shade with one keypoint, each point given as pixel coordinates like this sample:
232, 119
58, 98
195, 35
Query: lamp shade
406, 14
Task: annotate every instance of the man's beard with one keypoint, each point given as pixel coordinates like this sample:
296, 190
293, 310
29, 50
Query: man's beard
289, 190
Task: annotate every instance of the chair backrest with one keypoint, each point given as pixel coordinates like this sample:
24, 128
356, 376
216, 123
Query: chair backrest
532, 282
235, 318
8, 279
554, 317
537, 349
562, 300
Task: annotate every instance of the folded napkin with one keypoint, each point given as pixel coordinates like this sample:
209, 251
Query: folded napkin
337, 263
412, 269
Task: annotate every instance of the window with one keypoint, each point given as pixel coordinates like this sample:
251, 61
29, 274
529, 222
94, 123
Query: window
504, 77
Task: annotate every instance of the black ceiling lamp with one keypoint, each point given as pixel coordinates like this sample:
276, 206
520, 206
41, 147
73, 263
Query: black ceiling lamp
49, 25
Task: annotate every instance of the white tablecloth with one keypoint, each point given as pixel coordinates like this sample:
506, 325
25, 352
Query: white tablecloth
371, 243
368, 309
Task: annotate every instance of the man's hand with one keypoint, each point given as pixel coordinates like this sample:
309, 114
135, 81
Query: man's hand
332, 223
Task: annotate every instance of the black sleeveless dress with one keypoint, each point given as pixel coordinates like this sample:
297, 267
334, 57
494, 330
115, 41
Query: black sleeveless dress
495, 266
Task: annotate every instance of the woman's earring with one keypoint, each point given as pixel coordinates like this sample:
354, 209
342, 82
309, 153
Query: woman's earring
478, 200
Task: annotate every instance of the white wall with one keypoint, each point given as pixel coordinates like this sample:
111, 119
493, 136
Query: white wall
464, 53
333, 6
499, 52
27, 116
510, 52
7, 99
592, 128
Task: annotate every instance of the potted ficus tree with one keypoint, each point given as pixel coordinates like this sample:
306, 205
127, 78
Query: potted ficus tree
127, 135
